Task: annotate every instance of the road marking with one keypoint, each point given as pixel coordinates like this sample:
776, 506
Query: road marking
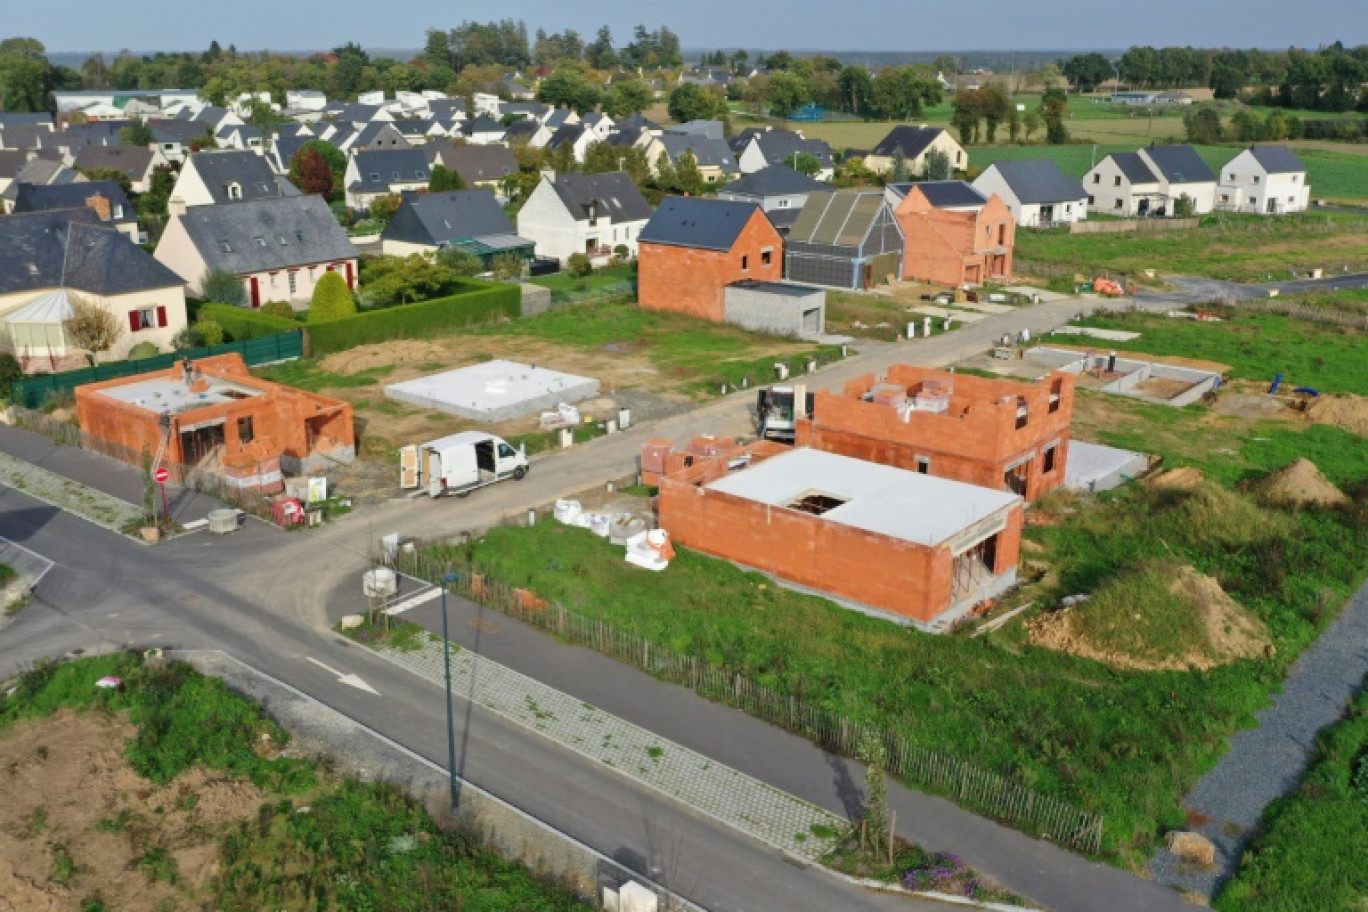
195, 524
412, 602
350, 680
28, 563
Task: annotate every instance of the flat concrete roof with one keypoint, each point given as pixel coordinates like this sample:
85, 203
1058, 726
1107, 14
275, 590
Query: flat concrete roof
777, 288
1095, 467
162, 394
494, 390
880, 499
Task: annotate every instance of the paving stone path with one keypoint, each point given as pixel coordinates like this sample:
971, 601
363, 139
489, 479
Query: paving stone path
65, 494
754, 807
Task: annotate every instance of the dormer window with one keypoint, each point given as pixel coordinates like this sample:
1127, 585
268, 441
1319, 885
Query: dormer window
261, 241
235, 191
225, 247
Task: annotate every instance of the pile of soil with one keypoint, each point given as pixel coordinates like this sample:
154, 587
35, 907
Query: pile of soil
1231, 633
70, 793
1183, 478
1301, 484
1347, 412
399, 353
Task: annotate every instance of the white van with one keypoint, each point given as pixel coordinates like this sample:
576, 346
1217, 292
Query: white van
460, 463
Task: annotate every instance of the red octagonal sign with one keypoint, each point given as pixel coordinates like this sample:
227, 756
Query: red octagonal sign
161, 475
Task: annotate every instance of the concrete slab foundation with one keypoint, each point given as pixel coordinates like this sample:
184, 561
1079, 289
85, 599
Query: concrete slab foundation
1094, 467
494, 391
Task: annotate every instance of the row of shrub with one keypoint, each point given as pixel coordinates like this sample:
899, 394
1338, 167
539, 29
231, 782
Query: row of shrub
242, 323
475, 302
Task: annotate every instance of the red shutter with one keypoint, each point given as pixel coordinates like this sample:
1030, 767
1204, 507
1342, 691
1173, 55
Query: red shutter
161, 316
351, 279
133, 321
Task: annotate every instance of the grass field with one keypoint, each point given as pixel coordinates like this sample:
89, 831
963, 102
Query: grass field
1238, 248
1310, 856
602, 278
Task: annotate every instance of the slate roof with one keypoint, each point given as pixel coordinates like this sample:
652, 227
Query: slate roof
383, 132
840, 218
131, 160
482, 124
780, 146
23, 136
1180, 164
11, 161
267, 234
68, 248
775, 180
523, 128
380, 168
283, 149
43, 172
556, 118
566, 135
1133, 167
636, 122
533, 109
1277, 159
690, 221
444, 218
948, 194
39, 119
615, 194
248, 170
476, 163
34, 198
912, 140
710, 128
625, 139
447, 108
1039, 181
184, 132
709, 152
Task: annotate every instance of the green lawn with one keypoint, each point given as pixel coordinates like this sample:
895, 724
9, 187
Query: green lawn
1310, 856
598, 280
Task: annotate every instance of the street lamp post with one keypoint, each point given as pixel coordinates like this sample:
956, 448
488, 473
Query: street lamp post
447, 579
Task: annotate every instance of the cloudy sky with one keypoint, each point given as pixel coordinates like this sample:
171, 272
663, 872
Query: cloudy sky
911, 25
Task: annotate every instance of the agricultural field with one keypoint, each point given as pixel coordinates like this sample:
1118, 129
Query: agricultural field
1309, 856
174, 793
1236, 248
1124, 732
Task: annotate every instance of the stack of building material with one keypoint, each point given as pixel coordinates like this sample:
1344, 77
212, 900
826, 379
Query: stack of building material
934, 396
654, 453
888, 394
712, 447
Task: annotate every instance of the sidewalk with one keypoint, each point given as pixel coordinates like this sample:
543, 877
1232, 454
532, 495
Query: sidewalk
724, 794
65, 494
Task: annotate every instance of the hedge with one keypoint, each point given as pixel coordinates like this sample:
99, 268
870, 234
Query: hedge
240, 323
480, 302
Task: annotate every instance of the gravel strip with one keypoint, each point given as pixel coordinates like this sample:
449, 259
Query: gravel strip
86, 502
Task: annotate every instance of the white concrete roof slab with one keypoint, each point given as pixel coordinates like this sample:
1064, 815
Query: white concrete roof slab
880, 499
494, 390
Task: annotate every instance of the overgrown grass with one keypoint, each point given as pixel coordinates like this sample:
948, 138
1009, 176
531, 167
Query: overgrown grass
1257, 346
1310, 856
564, 282
914, 868
1234, 248
317, 843
306, 374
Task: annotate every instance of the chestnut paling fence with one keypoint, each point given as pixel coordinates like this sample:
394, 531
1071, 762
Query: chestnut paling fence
971, 786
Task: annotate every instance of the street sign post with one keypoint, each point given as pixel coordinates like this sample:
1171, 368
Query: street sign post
161, 476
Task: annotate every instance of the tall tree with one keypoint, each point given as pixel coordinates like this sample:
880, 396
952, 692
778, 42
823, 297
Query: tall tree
627, 97
137, 133
443, 180
600, 53
1086, 71
694, 102
309, 171
24, 75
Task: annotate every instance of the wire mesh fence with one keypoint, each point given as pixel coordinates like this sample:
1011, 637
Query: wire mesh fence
972, 786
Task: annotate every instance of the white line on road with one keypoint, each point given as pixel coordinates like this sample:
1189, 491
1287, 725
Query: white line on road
350, 680
412, 602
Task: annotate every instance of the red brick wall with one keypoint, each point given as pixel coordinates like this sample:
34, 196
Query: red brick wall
689, 280
942, 245
973, 442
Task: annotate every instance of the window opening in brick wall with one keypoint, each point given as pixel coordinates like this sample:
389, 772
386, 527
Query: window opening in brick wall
816, 503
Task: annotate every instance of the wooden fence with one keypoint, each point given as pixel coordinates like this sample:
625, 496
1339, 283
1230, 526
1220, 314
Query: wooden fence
971, 786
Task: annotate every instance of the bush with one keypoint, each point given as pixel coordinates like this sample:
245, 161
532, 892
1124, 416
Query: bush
281, 309
240, 323
578, 265
222, 287
10, 370
209, 332
332, 299
478, 302
143, 350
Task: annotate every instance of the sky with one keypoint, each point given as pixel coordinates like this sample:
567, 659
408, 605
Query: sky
883, 25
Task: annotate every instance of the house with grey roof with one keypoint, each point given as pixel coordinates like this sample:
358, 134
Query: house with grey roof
178, 138
12, 162
713, 129
51, 260
138, 162
278, 247
1123, 184
1037, 192
1182, 173
221, 176
105, 197
915, 144
844, 239
526, 131
1267, 180
375, 135
479, 166
469, 220
757, 148
373, 173
779, 190
483, 130
576, 137
42, 172
714, 157
593, 214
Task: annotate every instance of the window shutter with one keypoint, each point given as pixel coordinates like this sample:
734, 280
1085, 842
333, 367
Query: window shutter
161, 316
133, 321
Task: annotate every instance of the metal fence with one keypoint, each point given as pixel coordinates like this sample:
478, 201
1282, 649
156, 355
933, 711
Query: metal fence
33, 391
66, 433
971, 786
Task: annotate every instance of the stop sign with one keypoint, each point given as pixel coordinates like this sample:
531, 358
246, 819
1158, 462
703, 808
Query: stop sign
161, 475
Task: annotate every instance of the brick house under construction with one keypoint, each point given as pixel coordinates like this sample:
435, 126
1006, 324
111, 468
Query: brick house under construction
1000, 434
896, 544
218, 418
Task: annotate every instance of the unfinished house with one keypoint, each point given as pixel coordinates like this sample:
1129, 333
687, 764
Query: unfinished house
907, 547
217, 417
999, 434
844, 239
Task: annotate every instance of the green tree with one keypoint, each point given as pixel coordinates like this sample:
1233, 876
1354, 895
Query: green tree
137, 133
336, 160
857, 90
332, 299
1054, 108
600, 53
507, 266
898, 173
309, 172
805, 163
208, 332
1203, 125
786, 94
223, 287
1086, 71
937, 166
393, 280
25, 75
568, 88
281, 309
578, 265
460, 262
443, 180
874, 755
694, 102
627, 97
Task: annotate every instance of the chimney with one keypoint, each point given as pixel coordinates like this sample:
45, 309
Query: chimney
100, 203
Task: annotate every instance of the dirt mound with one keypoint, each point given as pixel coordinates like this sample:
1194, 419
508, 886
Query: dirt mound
1196, 625
1301, 484
76, 820
1182, 479
399, 353
1347, 412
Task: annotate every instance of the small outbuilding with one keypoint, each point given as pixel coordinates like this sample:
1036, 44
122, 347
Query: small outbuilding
845, 239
